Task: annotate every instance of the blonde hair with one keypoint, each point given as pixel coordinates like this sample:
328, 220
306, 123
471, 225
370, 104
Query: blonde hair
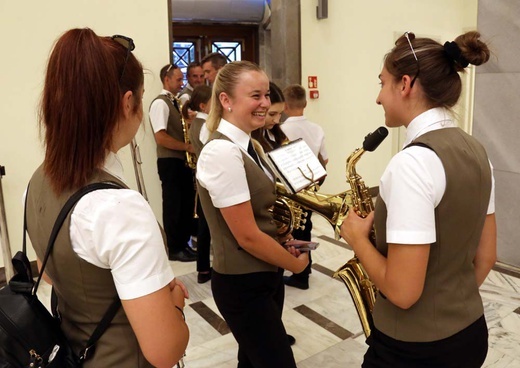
226, 82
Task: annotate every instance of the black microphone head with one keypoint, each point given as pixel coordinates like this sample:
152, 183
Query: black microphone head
374, 139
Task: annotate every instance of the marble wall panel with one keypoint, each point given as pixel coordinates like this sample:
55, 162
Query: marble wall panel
496, 121
499, 24
507, 214
497, 115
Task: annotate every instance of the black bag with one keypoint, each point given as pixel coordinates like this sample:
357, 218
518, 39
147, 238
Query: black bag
30, 336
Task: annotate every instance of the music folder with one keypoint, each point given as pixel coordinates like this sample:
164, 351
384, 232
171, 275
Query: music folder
296, 165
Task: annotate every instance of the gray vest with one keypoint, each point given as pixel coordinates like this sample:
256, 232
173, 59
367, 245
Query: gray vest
228, 256
84, 291
450, 300
173, 129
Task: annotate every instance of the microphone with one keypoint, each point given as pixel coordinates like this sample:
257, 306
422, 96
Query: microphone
374, 139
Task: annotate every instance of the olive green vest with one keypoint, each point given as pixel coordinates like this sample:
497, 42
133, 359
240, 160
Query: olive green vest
450, 300
195, 127
228, 256
84, 291
173, 129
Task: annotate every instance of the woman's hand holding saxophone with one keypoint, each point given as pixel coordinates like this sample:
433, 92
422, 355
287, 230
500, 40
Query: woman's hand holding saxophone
354, 229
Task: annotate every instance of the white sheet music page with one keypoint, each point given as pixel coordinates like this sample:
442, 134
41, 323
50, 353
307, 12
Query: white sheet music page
296, 165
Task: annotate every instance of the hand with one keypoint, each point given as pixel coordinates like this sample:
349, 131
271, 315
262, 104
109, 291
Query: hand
180, 285
190, 148
283, 240
355, 228
304, 258
191, 114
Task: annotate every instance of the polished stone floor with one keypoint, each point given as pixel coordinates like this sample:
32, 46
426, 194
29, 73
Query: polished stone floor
323, 320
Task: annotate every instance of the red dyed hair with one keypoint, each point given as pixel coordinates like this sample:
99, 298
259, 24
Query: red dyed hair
82, 103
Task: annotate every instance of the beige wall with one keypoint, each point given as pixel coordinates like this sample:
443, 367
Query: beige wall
27, 32
346, 52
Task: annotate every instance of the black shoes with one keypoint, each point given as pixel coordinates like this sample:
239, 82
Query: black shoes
295, 282
183, 256
291, 339
203, 277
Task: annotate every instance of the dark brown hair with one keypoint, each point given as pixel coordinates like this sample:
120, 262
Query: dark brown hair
200, 94
193, 64
167, 70
295, 96
82, 103
217, 60
436, 70
276, 96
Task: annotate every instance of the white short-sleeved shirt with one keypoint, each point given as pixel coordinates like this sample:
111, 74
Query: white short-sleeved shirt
414, 182
220, 167
296, 127
116, 229
159, 113
204, 131
185, 97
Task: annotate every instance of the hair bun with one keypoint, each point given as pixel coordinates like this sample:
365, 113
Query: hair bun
455, 53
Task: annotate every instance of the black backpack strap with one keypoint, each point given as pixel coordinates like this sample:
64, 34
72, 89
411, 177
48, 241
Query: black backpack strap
87, 352
116, 304
71, 202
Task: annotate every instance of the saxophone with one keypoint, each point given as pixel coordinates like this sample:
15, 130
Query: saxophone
334, 208
191, 158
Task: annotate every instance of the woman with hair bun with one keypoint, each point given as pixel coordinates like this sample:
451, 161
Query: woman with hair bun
110, 245
434, 218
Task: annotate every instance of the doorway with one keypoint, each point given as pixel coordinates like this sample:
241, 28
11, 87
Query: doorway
191, 42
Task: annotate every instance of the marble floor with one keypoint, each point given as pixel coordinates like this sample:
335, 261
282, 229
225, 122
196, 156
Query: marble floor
323, 319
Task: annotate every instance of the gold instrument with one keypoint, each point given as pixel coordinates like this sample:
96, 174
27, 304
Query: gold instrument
136, 159
191, 158
334, 208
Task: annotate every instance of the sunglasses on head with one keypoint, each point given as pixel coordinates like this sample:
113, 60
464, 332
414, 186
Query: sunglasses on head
127, 43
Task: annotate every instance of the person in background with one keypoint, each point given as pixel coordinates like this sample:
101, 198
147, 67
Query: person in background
297, 126
112, 245
200, 103
271, 136
211, 64
434, 219
236, 191
195, 77
178, 192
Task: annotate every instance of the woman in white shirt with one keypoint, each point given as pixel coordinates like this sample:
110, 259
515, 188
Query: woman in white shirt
236, 192
113, 246
434, 219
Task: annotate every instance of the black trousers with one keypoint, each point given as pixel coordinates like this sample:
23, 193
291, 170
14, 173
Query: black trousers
466, 349
178, 201
252, 306
304, 234
203, 242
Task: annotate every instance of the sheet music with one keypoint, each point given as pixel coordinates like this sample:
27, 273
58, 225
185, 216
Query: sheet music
297, 165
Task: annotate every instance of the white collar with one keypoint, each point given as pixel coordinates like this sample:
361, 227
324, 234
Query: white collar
237, 135
202, 115
433, 119
294, 118
114, 166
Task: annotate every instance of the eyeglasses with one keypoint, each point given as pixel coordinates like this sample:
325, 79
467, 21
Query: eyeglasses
127, 43
406, 34
169, 68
